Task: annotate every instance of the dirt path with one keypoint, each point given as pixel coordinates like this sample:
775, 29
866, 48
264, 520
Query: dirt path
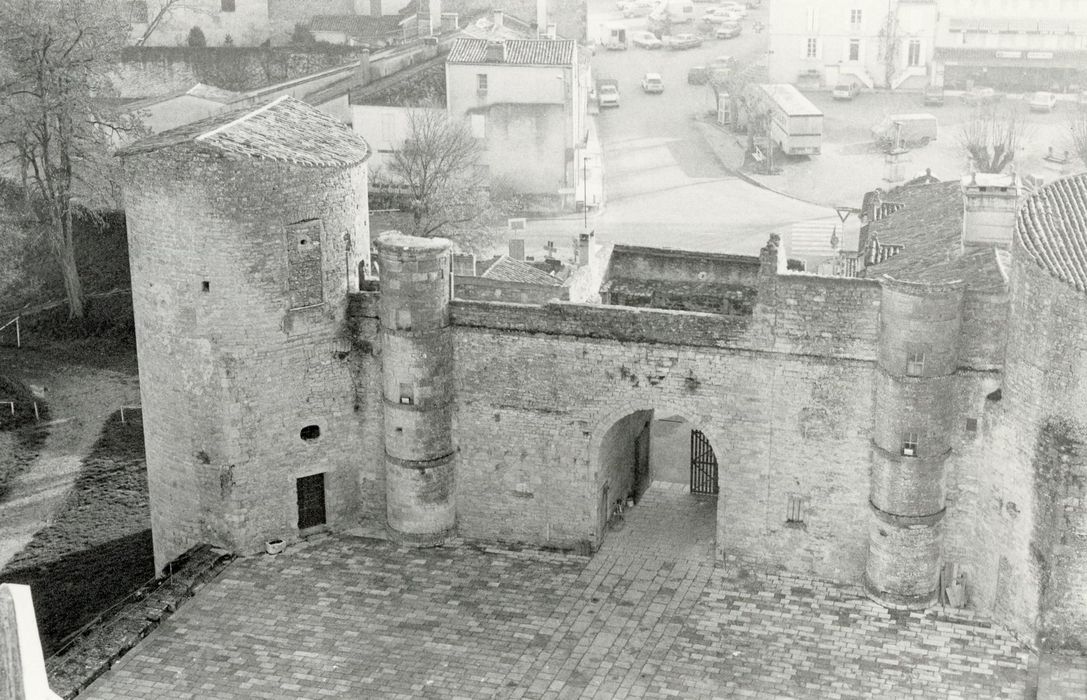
80, 400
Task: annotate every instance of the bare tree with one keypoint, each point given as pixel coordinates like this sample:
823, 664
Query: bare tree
992, 136
54, 120
1077, 129
889, 42
158, 12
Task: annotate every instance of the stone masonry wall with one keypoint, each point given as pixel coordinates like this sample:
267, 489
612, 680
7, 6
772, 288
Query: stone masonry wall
538, 388
1044, 471
230, 375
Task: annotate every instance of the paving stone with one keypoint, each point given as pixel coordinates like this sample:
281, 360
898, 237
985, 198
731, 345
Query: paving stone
649, 616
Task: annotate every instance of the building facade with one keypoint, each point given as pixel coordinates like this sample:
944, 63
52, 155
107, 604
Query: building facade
527, 101
872, 42
1041, 45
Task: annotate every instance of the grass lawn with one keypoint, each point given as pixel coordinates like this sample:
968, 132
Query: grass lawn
21, 436
98, 549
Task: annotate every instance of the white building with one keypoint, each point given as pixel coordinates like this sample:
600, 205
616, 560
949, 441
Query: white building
877, 43
1016, 46
527, 100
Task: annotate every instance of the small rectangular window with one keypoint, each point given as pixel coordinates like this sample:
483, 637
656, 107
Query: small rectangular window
205, 286
403, 319
227, 5
795, 509
481, 82
407, 393
813, 47
855, 16
913, 57
854, 49
971, 425
909, 444
915, 362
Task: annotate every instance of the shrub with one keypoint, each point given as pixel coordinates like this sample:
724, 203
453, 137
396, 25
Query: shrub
196, 37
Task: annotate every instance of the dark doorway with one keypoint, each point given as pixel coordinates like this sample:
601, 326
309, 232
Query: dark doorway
311, 501
703, 465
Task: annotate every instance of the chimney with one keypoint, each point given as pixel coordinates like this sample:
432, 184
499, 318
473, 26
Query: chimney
585, 246
541, 17
498, 19
517, 248
990, 205
552, 31
496, 52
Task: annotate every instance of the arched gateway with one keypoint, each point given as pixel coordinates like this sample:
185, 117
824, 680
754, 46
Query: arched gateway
637, 449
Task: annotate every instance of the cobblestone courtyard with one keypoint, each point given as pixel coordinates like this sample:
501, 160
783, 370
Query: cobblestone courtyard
648, 616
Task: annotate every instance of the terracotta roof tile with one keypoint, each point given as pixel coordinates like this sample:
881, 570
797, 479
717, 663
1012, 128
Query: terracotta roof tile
285, 129
509, 270
1052, 227
527, 52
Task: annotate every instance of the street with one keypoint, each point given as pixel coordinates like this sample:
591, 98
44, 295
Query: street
663, 185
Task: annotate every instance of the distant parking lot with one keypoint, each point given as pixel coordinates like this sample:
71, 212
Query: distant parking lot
851, 164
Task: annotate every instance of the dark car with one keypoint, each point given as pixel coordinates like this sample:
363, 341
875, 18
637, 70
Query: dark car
698, 75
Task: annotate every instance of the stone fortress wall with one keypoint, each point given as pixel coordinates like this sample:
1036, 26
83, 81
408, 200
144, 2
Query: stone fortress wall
495, 419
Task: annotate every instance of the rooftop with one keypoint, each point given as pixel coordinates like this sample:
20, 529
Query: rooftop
507, 269
285, 129
1053, 229
358, 26
528, 52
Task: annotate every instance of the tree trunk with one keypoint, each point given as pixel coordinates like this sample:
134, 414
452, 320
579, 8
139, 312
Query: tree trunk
60, 236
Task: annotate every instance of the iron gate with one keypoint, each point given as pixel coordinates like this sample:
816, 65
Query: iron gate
703, 465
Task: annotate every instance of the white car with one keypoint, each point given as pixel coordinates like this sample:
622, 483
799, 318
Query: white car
736, 7
1042, 102
652, 83
717, 15
645, 40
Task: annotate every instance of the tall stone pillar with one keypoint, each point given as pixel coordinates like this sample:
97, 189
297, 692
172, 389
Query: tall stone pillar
911, 441
417, 366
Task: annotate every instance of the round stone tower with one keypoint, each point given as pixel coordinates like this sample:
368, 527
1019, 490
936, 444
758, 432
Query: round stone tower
417, 370
246, 232
911, 440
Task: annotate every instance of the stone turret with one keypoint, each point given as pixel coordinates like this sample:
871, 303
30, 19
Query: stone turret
417, 370
911, 441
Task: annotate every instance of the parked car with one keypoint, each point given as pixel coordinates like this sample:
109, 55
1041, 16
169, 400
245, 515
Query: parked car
934, 95
846, 90
653, 84
717, 15
679, 42
636, 8
607, 92
645, 40
698, 75
981, 96
728, 30
1042, 102
736, 7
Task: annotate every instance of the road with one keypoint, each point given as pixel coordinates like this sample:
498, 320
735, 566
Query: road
663, 184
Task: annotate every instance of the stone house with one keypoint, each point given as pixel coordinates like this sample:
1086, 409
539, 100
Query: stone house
924, 418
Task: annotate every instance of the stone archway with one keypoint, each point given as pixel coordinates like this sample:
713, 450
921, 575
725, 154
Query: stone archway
625, 463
